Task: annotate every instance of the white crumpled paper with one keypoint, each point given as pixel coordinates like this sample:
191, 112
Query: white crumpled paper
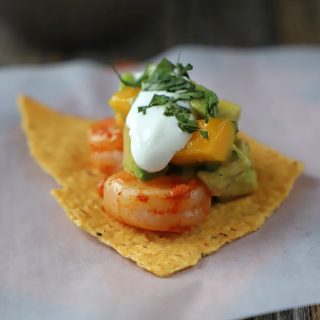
50, 269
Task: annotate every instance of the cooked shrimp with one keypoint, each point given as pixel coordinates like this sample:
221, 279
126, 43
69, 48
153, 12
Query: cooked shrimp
163, 204
106, 145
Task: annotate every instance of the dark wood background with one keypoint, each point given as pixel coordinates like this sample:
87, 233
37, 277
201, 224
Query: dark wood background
38, 31
50, 30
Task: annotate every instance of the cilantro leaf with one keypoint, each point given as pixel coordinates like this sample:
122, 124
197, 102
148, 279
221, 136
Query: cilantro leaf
172, 109
129, 80
143, 109
183, 70
159, 100
187, 125
189, 95
174, 78
169, 77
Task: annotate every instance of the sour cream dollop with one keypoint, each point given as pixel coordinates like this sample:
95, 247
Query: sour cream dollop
155, 138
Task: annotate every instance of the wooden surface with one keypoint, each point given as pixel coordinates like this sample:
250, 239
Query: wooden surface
303, 313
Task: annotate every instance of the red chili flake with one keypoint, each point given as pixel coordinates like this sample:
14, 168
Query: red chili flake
142, 197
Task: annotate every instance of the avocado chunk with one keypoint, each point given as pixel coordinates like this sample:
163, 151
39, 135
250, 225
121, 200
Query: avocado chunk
226, 109
234, 178
240, 185
227, 188
130, 165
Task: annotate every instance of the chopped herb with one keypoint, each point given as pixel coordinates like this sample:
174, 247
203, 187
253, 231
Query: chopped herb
189, 126
143, 109
211, 104
189, 95
183, 70
159, 100
172, 108
126, 81
204, 134
169, 77
129, 79
174, 78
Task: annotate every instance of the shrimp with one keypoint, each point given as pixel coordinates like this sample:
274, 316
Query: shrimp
106, 145
163, 204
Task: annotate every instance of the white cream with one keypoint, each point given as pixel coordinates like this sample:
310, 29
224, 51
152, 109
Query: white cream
155, 138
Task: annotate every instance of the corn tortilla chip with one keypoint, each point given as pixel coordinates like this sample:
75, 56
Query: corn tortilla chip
58, 143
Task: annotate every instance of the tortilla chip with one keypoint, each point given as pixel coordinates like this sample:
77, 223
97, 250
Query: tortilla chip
58, 143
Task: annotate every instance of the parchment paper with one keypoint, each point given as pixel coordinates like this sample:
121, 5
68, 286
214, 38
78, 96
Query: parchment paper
50, 269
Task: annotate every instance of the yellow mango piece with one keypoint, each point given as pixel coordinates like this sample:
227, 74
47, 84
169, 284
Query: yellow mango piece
221, 135
122, 100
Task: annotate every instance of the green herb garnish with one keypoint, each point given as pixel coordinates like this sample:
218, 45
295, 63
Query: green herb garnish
172, 108
183, 70
169, 77
174, 78
157, 100
129, 80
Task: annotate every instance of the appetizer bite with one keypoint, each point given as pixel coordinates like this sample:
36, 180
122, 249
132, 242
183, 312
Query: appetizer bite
178, 146
171, 159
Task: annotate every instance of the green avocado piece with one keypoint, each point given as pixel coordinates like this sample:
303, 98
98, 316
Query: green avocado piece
244, 148
234, 178
227, 188
130, 165
226, 109
240, 185
239, 161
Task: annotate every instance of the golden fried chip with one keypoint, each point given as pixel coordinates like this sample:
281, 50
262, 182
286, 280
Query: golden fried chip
59, 144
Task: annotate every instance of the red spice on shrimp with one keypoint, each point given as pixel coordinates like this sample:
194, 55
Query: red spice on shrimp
142, 197
106, 145
100, 187
164, 204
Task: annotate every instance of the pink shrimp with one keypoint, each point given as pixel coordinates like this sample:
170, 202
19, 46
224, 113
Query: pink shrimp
163, 204
106, 145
